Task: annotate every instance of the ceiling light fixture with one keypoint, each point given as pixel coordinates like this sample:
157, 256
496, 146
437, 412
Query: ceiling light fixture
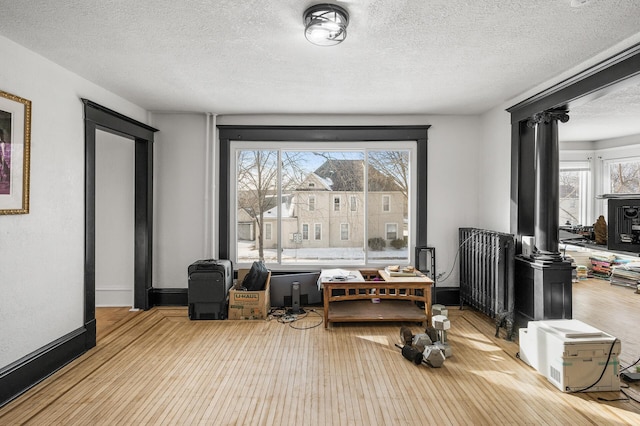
325, 24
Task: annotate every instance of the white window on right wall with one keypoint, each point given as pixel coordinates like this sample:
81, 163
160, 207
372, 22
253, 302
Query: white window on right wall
622, 176
574, 193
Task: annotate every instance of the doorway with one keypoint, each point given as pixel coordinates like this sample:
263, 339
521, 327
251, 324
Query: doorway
115, 178
98, 118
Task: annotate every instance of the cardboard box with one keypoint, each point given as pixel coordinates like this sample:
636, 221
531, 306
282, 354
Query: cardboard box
249, 305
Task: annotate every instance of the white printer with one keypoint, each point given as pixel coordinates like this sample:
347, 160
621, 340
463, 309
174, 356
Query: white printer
572, 355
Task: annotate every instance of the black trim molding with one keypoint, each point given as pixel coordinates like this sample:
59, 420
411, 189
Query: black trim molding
448, 296
20, 376
319, 134
169, 296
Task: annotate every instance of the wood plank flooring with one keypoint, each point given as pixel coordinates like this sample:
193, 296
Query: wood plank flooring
612, 309
109, 319
158, 367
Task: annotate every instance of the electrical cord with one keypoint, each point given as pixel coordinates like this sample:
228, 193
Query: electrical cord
311, 326
630, 397
606, 364
283, 317
276, 313
456, 257
629, 366
614, 399
627, 397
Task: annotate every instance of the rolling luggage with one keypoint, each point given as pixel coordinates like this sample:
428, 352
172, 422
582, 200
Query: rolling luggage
209, 284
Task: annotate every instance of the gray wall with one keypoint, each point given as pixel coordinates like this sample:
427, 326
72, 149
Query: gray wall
180, 197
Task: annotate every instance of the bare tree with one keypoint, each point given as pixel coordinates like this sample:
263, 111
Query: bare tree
257, 187
258, 184
394, 165
625, 178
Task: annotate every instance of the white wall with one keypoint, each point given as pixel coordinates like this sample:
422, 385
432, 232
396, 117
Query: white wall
495, 176
180, 183
42, 253
115, 212
454, 174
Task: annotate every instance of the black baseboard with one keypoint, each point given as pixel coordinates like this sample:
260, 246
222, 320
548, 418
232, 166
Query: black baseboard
179, 296
20, 376
448, 296
169, 297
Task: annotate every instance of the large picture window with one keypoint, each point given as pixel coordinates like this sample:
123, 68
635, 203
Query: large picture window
336, 187
275, 188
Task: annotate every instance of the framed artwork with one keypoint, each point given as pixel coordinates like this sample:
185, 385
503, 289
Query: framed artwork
15, 141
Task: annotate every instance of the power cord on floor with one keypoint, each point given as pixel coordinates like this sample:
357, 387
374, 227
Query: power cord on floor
284, 317
630, 397
629, 366
627, 397
311, 326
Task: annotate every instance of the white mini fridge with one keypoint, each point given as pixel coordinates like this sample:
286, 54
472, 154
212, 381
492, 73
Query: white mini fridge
574, 356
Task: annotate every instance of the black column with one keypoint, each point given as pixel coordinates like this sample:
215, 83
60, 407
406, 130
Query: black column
543, 289
547, 179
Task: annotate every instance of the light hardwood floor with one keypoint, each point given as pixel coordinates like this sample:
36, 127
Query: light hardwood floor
158, 367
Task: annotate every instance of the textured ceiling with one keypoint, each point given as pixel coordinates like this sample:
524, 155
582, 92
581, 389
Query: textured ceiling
613, 115
251, 57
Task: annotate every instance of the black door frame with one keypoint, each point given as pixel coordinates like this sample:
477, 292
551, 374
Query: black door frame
98, 117
603, 78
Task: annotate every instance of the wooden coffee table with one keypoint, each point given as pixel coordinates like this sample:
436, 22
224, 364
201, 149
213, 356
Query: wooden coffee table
351, 301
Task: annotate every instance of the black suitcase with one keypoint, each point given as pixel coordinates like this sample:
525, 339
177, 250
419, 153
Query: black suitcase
209, 284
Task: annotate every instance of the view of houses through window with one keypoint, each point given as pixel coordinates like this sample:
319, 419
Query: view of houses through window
322, 207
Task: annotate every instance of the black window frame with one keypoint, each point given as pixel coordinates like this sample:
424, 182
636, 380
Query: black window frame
318, 134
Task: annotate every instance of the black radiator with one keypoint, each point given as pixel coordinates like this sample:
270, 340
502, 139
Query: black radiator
487, 275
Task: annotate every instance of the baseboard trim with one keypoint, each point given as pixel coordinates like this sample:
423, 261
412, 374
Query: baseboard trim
448, 296
23, 374
169, 297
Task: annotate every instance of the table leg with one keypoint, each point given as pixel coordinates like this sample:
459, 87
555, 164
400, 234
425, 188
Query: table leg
427, 304
325, 295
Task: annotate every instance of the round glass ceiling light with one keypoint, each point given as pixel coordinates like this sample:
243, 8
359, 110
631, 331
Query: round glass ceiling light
325, 24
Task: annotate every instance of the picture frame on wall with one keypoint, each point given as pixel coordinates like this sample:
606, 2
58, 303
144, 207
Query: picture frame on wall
15, 142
